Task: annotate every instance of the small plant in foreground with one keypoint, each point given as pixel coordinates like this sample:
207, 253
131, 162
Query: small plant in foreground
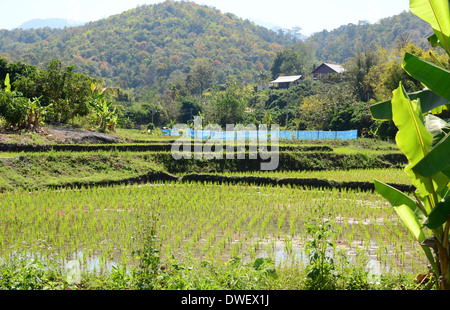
149, 268
321, 268
23, 273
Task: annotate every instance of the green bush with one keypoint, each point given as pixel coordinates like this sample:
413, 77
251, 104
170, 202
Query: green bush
13, 109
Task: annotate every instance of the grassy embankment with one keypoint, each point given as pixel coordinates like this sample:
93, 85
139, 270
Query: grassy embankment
38, 161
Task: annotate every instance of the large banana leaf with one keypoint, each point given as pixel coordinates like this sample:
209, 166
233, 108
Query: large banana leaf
396, 198
414, 140
437, 14
435, 78
407, 210
410, 220
408, 217
438, 160
429, 101
439, 215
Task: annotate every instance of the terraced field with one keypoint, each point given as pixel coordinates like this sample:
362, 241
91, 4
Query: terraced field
93, 203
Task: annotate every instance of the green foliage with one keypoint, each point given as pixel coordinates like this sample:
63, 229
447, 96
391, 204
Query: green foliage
190, 107
295, 60
14, 70
200, 76
358, 68
384, 131
35, 112
351, 117
424, 142
20, 112
149, 268
330, 96
7, 84
13, 109
139, 113
62, 91
228, 106
23, 273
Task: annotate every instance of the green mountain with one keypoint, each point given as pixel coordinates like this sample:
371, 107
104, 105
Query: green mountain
156, 46
340, 44
152, 45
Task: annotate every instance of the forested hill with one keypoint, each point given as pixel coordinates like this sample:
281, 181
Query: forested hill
156, 46
340, 44
152, 45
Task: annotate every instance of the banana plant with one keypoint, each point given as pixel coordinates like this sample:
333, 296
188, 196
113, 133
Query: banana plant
35, 112
171, 123
108, 118
424, 139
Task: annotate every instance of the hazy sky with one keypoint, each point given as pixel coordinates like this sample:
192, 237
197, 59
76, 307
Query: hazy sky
310, 15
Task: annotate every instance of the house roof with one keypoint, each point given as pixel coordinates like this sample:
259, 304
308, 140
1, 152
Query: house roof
287, 79
335, 68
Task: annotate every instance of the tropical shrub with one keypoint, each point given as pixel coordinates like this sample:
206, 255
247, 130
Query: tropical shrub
12, 109
20, 112
66, 91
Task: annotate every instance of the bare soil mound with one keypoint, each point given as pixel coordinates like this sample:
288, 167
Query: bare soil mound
56, 135
77, 136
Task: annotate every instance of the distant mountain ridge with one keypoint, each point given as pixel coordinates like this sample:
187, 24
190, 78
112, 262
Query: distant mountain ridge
54, 23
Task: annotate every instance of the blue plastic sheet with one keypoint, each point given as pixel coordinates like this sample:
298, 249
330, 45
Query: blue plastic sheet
282, 135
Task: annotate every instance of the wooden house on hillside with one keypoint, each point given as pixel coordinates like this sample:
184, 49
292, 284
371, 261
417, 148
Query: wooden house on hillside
326, 68
286, 81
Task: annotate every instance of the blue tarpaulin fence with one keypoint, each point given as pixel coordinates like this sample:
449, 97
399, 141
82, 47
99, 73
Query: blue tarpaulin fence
287, 135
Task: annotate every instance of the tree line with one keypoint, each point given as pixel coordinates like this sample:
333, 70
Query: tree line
30, 97
337, 102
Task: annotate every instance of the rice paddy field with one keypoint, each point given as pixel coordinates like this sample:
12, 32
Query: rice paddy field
101, 227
